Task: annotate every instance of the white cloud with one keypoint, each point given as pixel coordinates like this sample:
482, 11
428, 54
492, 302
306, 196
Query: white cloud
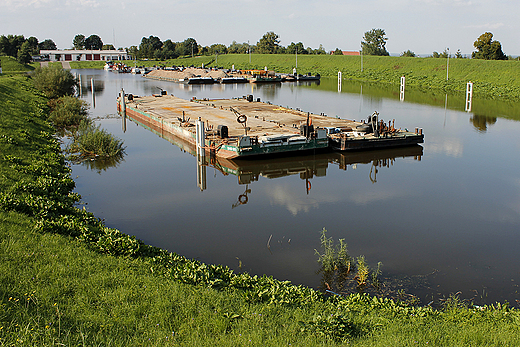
49, 4
294, 202
450, 147
486, 26
15, 4
365, 198
447, 2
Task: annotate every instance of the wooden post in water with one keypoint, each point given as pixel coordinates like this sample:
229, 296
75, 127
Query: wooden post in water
79, 82
469, 95
339, 81
401, 90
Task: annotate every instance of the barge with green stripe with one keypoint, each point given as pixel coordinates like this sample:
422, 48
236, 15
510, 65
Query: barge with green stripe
244, 127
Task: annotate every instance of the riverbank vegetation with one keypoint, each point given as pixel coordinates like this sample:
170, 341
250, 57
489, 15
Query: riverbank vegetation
91, 141
67, 279
491, 78
69, 115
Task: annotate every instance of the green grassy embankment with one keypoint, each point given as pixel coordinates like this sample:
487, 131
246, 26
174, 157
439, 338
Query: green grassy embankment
491, 78
11, 66
87, 64
69, 280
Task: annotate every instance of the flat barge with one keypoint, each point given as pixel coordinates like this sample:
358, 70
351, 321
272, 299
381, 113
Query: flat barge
244, 127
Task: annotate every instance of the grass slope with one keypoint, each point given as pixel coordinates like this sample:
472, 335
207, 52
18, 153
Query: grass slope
493, 79
11, 66
66, 280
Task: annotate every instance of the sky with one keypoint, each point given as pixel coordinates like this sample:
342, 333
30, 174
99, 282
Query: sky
422, 26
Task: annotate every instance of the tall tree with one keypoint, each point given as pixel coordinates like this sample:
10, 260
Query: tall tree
93, 42
33, 45
133, 51
375, 43
241, 48
487, 48
10, 44
108, 47
168, 50
320, 50
217, 48
408, 53
149, 46
190, 46
294, 48
79, 41
47, 44
24, 53
269, 43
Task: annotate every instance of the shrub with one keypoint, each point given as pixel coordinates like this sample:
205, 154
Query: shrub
92, 141
68, 111
54, 81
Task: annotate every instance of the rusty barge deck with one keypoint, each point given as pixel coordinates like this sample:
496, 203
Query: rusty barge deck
242, 127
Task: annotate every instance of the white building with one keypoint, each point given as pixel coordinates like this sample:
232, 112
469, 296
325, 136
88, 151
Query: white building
85, 55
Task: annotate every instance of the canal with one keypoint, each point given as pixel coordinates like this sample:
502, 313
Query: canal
443, 218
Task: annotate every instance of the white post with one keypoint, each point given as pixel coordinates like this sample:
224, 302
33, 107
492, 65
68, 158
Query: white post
201, 173
93, 95
339, 81
201, 153
123, 103
200, 136
469, 95
401, 90
448, 65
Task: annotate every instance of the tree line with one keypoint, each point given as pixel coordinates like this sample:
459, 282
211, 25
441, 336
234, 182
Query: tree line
22, 49
153, 48
373, 43
91, 42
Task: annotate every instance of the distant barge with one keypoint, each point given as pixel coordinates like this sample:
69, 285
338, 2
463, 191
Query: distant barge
243, 127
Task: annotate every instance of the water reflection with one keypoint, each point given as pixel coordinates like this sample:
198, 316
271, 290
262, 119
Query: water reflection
376, 92
481, 122
86, 86
101, 164
444, 224
249, 170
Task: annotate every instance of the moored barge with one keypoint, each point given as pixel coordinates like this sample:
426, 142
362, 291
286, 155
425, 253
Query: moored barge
242, 127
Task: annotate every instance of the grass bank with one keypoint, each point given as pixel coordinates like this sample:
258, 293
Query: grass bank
11, 66
492, 79
69, 280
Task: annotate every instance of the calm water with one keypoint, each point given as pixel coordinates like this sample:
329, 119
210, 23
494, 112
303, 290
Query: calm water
445, 215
